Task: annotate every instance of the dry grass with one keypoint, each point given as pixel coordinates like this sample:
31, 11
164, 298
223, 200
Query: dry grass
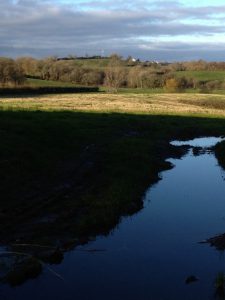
131, 103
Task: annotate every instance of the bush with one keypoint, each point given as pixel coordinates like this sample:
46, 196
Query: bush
213, 85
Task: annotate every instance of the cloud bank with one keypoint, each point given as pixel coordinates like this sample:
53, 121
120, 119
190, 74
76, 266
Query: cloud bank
162, 30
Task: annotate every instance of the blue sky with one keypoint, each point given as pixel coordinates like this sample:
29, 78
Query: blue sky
151, 30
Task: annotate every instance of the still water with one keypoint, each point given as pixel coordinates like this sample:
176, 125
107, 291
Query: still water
149, 255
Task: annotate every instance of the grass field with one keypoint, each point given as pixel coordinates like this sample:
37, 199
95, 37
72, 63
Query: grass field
93, 63
72, 165
47, 83
203, 75
174, 104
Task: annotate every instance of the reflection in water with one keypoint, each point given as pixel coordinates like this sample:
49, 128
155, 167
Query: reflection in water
150, 254
206, 142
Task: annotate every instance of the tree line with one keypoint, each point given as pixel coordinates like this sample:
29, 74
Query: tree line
116, 73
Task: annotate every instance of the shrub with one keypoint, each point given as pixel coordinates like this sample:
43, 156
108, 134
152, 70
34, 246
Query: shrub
171, 85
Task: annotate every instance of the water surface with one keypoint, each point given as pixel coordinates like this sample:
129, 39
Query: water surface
149, 255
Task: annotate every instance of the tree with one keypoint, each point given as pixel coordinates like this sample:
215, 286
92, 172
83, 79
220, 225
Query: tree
115, 75
10, 72
28, 65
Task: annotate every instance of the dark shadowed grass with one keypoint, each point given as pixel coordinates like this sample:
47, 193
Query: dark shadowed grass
87, 169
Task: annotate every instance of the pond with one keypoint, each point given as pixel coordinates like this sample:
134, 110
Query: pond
150, 255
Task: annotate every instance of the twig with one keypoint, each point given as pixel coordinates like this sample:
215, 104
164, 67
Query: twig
54, 273
91, 250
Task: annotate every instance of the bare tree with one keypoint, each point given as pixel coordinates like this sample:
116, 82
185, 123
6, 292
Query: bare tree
115, 75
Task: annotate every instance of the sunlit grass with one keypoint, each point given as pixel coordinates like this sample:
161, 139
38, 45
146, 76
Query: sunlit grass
194, 104
203, 75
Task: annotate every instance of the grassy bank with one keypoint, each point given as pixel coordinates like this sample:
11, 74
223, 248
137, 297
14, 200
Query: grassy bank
72, 165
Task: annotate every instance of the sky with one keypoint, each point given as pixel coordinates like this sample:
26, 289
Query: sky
147, 29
